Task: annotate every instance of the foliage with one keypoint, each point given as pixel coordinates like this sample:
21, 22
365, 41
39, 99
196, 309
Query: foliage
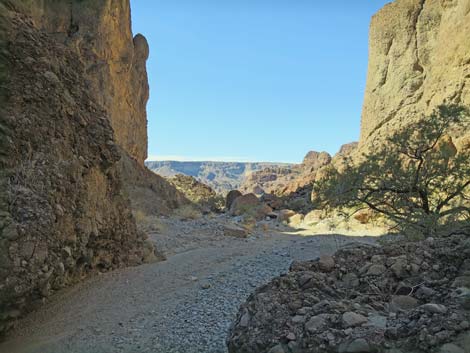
148, 223
417, 178
198, 193
188, 212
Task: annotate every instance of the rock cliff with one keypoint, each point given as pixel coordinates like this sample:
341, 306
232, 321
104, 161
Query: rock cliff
72, 147
220, 176
419, 57
99, 32
295, 181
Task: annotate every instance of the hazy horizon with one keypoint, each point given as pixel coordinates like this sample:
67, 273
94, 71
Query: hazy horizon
260, 82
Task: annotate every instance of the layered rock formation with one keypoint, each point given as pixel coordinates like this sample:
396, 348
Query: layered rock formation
99, 33
220, 176
419, 57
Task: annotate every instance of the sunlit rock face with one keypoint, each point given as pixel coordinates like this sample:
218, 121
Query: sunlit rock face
100, 33
419, 57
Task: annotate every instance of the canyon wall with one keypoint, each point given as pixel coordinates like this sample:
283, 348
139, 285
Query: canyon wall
419, 57
100, 34
73, 141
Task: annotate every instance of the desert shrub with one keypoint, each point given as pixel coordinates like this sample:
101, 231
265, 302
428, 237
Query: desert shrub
148, 223
187, 212
198, 193
417, 179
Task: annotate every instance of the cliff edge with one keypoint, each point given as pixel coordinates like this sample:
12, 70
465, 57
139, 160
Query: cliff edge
419, 57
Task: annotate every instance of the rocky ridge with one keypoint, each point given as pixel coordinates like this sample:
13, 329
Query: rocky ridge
294, 183
220, 176
201, 195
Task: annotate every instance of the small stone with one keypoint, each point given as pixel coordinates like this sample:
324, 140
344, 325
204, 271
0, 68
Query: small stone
378, 321
277, 349
462, 281
303, 311
67, 251
399, 268
376, 270
234, 231
205, 286
464, 325
316, 322
298, 319
305, 280
52, 77
350, 280
244, 320
351, 319
451, 348
326, 263
359, 345
424, 291
434, 308
293, 347
403, 302
291, 336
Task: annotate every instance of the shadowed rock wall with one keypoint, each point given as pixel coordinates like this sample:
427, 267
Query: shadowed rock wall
63, 210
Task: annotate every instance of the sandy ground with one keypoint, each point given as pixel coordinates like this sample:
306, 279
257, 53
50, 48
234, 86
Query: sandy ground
183, 304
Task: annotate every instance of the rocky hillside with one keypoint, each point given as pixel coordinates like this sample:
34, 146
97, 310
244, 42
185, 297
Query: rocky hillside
221, 176
201, 195
73, 142
294, 182
418, 57
400, 298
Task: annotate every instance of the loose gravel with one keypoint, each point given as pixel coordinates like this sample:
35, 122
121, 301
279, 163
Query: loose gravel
183, 305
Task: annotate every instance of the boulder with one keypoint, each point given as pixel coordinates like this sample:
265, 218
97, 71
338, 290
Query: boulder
351, 319
284, 215
272, 201
326, 263
296, 220
403, 303
231, 196
314, 216
244, 204
232, 230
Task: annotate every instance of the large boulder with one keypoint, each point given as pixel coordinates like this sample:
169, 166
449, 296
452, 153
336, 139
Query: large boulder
243, 204
231, 196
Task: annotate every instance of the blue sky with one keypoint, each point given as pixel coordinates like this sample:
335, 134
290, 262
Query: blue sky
253, 80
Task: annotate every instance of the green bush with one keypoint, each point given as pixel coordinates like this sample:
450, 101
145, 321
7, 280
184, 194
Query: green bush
417, 178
